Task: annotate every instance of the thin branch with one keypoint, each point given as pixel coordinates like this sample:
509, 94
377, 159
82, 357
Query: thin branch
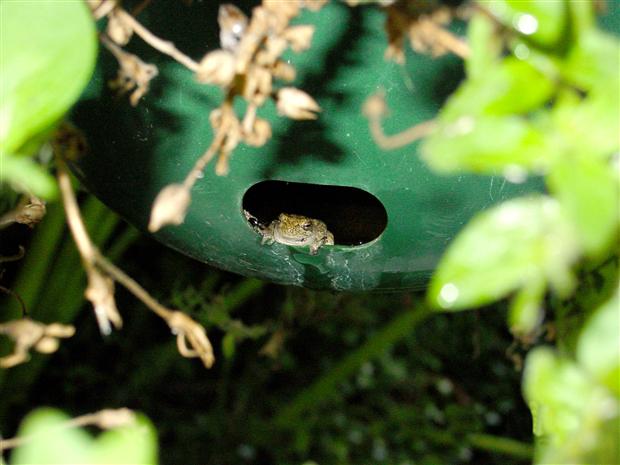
104, 419
446, 39
395, 141
12, 293
163, 46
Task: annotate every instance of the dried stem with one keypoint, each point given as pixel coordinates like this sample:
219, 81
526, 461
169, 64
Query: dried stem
104, 419
100, 292
446, 39
401, 139
213, 149
163, 46
12, 293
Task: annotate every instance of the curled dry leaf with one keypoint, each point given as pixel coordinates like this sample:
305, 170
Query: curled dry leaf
170, 206
217, 67
260, 133
300, 37
100, 292
133, 74
187, 330
296, 104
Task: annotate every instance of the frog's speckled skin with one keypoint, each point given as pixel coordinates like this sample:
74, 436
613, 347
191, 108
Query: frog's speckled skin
298, 230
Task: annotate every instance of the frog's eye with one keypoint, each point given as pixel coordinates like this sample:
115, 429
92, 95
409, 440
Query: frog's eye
306, 226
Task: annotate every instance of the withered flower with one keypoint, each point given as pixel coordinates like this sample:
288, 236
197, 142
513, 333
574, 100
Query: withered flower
170, 206
296, 104
32, 212
100, 292
283, 71
217, 67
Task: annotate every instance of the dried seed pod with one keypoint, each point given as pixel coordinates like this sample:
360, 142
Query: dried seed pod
118, 30
170, 206
284, 71
217, 67
258, 85
296, 104
375, 106
300, 37
232, 22
283, 10
314, 5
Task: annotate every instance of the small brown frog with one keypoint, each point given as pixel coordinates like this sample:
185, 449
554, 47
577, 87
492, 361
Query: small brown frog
297, 230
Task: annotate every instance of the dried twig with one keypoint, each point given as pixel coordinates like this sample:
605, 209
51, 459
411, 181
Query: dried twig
101, 277
29, 334
104, 419
29, 211
375, 109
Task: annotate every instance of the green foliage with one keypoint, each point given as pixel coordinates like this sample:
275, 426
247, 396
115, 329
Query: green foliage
48, 52
576, 404
550, 108
54, 441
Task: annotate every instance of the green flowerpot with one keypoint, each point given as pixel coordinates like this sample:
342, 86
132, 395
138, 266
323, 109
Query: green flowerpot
392, 217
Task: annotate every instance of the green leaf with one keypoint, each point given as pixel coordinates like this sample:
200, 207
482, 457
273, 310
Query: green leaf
598, 349
576, 420
509, 87
485, 48
543, 22
135, 444
47, 52
517, 243
53, 442
525, 312
588, 126
24, 174
488, 144
587, 188
228, 345
592, 64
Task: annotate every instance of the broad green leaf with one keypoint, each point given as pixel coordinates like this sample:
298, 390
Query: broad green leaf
593, 63
598, 349
485, 46
488, 144
588, 126
47, 52
543, 22
24, 174
576, 419
509, 87
54, 442
588, 190
135, 444
517, 243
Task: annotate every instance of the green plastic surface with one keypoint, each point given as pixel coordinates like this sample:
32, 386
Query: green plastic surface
137, 151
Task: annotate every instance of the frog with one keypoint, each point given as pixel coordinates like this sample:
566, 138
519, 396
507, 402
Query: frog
295, 230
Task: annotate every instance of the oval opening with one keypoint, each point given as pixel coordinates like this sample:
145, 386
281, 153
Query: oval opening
353, 215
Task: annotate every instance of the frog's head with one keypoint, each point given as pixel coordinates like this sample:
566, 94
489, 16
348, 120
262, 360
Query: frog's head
297, 229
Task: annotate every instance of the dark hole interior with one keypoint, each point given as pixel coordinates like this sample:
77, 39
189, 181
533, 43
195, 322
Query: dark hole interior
353, 215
